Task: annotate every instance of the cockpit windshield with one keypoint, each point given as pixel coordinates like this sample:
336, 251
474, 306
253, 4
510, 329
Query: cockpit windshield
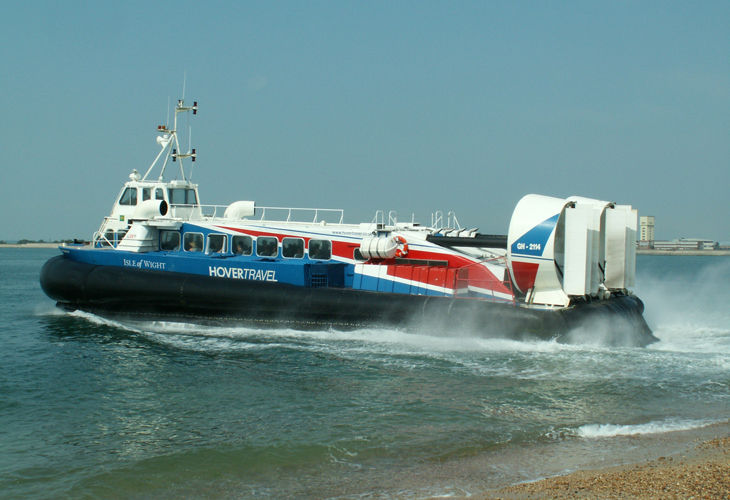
182, 196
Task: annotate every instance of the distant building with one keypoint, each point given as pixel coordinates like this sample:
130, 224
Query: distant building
646, 240
646, 224
685, 244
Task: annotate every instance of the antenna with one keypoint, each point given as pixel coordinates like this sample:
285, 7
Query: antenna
191, 152
192, 164
185, 77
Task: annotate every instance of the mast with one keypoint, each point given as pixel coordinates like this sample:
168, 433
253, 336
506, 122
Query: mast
170, 145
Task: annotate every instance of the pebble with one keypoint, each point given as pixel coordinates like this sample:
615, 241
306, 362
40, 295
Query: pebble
702, 473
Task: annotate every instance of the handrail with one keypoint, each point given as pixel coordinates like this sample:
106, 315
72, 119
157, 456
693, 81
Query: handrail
452, 222
317, 215
437, 220
99, 237
379, 219
392, 218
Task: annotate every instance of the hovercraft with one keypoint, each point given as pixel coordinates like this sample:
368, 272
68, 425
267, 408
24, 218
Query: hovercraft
562, 272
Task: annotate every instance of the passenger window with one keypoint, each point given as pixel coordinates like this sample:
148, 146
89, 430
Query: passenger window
129, 197
146, 194
357, 255
217, 243
320, 249
292, 248
158, 194
267, 246
242, 245
170, 241
193, 242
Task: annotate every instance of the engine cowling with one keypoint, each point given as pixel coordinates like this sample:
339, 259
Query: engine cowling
562, 248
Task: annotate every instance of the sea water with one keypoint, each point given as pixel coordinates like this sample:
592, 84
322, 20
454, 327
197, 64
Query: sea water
92, 408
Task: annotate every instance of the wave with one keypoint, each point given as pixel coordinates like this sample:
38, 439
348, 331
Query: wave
460, 352
172, 332
98, 320
598, 431
457, 353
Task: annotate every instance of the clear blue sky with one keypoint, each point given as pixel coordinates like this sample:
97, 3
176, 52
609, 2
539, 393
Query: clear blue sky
412, 106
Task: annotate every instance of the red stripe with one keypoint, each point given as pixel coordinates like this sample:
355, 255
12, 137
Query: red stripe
478, 276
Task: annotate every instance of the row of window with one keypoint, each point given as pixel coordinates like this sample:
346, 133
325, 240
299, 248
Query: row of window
177, 196
266, 246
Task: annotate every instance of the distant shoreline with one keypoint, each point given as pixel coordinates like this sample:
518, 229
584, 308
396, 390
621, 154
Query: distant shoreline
684, 252
30, 245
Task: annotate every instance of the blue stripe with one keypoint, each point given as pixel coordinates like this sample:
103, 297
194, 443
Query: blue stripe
534, 241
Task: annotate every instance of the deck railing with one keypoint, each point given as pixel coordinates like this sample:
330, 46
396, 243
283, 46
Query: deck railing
282, 214
438, 222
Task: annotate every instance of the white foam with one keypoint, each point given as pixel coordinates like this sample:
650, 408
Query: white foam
389, 347
421, 342
98, 320
598, 431
688, 310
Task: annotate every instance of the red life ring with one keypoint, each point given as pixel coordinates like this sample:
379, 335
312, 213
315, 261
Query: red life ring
402, 249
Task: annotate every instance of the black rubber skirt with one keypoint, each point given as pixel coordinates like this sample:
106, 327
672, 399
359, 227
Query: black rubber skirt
129, 292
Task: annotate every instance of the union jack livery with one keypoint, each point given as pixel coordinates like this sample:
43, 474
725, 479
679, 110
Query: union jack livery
565, 265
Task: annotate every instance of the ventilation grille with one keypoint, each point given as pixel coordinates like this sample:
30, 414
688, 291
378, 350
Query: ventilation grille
319, 280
